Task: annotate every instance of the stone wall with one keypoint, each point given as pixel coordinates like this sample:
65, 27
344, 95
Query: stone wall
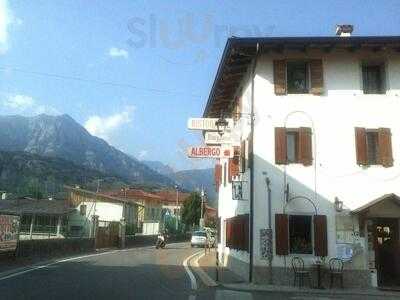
54, 247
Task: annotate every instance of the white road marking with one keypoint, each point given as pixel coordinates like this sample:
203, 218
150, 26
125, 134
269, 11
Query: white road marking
191, 276
232, 295
69, 259
207, 280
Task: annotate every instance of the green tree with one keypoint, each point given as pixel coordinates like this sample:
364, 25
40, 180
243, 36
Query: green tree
191, 209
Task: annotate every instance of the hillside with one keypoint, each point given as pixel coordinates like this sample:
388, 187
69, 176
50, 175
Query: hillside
62, 137
22, 172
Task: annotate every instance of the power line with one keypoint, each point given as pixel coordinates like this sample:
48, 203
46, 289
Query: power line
99, 82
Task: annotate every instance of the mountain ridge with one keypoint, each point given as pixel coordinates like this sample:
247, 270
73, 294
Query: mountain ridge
61, 136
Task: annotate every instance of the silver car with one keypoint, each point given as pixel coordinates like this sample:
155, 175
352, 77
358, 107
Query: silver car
199, 238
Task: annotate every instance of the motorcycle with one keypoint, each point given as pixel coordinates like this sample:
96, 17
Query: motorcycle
161, 241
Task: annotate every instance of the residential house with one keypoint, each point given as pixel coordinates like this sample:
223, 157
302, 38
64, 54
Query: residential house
317, 156
149, 218
39, 218
101, 210
172, 201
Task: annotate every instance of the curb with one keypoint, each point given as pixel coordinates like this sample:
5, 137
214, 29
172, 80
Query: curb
335, 292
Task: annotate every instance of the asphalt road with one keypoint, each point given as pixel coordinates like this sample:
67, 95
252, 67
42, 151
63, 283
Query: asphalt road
142, 273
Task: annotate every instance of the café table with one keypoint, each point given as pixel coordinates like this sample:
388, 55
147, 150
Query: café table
319, 265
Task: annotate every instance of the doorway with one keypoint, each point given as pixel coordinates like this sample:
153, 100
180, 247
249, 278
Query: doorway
387, 251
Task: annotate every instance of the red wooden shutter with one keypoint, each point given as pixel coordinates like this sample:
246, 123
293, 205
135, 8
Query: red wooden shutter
233, 167
317, 77
217, 176
282, 234
228, 229
320, 236
280, 77
305, 146
243, 156
280, 145
385, 147
361, 146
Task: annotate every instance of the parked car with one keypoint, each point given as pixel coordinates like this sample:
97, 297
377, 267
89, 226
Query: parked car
199, 239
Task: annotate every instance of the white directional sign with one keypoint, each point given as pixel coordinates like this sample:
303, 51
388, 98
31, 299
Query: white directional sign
207, 124
210, 152
214, 138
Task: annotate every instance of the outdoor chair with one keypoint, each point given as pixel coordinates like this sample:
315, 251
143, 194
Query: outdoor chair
336, 270
300, 272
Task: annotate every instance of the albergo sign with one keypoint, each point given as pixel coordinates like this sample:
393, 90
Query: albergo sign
210, 152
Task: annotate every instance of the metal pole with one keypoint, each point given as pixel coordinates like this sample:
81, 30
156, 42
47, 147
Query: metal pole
176, 208
251, 165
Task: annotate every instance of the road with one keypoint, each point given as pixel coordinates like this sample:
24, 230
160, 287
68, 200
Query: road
141, 273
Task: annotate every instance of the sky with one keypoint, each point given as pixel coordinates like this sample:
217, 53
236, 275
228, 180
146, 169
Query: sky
133, 72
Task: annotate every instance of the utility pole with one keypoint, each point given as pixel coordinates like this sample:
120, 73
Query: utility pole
201, 210
176, 210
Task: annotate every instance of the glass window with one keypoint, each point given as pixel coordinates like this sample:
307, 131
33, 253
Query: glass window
372, 147
83, 208
373, 79
297, 77
300, 239
292, 142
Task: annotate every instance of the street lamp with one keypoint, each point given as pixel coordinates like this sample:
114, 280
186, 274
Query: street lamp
338, 204
221, 124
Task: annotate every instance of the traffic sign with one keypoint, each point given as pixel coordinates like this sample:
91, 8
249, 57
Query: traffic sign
214, 138
210, 152
207, 124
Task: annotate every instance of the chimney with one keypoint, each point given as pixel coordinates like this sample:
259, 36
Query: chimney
344, 30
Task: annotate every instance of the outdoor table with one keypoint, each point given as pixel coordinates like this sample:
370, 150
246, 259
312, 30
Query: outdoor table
319, 265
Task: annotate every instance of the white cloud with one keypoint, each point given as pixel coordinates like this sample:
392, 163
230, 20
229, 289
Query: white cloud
24, 104
103, 127
118, 52
5, 21
7, 18
142, 154
19, 102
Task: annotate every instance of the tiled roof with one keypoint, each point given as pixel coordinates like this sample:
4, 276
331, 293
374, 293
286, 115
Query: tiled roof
33, 206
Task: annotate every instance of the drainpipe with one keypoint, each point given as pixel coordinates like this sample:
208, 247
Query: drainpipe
251, 215
268, 182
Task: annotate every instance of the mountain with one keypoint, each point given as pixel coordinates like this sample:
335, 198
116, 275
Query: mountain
159, 167
62, 137
189, 180
20, 172
193, 179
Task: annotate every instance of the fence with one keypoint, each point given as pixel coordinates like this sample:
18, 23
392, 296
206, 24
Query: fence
54, 247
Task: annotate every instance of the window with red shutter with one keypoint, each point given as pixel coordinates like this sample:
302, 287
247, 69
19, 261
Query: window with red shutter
280, 77
385, 147
361, 146
237, 232
282, 234
305, 146
320, 236
280, 145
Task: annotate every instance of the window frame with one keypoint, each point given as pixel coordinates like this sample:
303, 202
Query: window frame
375, 132
383, 76
307, 77
311, 216
296, 132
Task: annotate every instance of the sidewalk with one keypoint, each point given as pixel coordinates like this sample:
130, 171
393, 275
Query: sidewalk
230, 280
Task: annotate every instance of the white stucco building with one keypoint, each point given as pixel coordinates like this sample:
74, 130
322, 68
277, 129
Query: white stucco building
317, 125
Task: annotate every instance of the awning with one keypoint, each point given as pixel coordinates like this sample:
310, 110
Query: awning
388, 197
